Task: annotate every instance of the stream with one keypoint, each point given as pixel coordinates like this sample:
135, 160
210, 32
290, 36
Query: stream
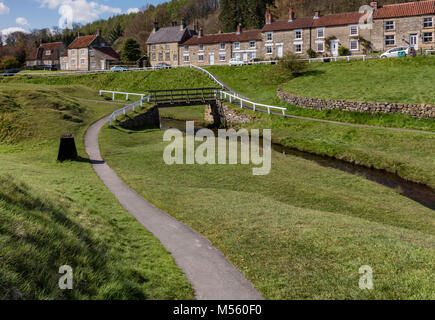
414, 191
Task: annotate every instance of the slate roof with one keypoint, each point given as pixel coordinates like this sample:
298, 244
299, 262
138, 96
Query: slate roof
167, 35
109, 51
247, 35
405, 10
82, 42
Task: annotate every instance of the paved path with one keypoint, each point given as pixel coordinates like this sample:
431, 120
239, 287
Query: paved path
212, 276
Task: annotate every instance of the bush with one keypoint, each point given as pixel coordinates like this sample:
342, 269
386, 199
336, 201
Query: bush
130, 51
343, 51
311, 53
9, 63
289, 67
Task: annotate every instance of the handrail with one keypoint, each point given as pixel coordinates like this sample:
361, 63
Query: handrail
124, 110
127, 94
233, 98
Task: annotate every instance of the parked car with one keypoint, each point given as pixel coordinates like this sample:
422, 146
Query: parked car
10, 72
162, 65
118, 69
396, 52
237, 62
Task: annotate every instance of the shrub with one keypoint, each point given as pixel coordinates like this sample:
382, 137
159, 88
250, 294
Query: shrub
343, 51
311, 53
9, 63
288, 67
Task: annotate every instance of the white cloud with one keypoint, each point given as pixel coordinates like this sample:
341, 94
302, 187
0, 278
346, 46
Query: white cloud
5, 32
22, 21
133, 10
3, 8
83, 11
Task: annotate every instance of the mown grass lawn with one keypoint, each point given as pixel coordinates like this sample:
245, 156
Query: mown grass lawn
368, 80
54, 214
301, 232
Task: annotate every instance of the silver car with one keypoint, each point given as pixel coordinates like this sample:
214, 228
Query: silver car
396, 52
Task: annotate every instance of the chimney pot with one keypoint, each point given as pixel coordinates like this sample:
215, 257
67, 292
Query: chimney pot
268, 17
291, 15
156, 26
201, 33
239, 28
183, 24
374, 5
317, 15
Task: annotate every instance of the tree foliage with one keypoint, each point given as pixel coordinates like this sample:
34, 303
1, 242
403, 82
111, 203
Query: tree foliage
130, 51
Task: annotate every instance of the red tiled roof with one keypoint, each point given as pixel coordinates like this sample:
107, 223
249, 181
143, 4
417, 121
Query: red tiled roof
338, 19
65, 54
82, 42
246, 35
109, 51
281, 25
54, 47
405, 10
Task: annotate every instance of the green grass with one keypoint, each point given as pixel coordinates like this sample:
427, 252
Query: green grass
54, 214
301, 232
332, 80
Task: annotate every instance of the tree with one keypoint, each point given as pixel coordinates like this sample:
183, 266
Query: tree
115, 33
130, 50
9, 63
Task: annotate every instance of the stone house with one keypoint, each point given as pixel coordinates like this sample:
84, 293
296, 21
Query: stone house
47, 55
210, 49
163, 43
89, 53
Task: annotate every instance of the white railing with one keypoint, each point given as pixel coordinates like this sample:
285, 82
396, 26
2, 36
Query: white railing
124, 110
429, 52
234, 98
335, 59
221, 84
127, 94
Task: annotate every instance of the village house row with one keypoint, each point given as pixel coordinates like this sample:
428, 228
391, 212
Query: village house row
393, 25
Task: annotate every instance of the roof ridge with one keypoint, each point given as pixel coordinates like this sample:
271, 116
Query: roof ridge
406, 3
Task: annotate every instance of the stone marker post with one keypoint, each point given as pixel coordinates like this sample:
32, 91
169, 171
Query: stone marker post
67, 149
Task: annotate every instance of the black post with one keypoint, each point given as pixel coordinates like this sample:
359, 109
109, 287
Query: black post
67, 149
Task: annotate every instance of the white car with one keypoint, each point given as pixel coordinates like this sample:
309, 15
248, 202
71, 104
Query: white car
237, 62
396, 52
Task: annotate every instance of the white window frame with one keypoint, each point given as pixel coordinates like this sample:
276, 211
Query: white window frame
160, 56
186, 60
252, 55
201, 55
153, 56
394, 40
222, 46
351, 28
271, 49
322, 29
93, 64
201, 47
252, 44
91, 53
73, 62
82, 61
236, 45
48, 52
186, 48
73, 52
222, 55
317, 46
393, 28
298, 31
298, 43
167, 56
423, 37
153, 47
167, 46
357, 44
82, 52
431, 22
269, 34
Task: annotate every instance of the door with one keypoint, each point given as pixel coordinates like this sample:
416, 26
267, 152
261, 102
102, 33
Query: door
245, 56
279, 51
103, 64
334, 48
413, 41
211, 59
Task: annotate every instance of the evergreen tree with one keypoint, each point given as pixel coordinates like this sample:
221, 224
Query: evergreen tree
116, 33
130, 50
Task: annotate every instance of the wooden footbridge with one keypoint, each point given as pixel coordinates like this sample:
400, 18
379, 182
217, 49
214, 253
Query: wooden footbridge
183, 97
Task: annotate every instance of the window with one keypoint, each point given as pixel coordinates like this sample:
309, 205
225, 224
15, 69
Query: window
427, 22
237, 56
252, 44
91, 53
93, 64
269, 36
82, 61
186, 48
222, 46
298, 47
320, 33
200, 58
48, 52
73, 62
153, 47
167, 46
354, 30
160, 56
201, 47
175, 57
389, 25
236, 45
390, 40
298, 34
252, 55
222, 57
269, 49
82, 52
73, 52
64, 66
167, 56
320, 46
427, 37
354, 45
153, 57
186, 58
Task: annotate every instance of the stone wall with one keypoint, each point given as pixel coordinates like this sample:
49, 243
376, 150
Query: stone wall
416, 110
149, 119
224, 115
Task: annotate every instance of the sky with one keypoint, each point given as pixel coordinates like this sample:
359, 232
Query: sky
24, 15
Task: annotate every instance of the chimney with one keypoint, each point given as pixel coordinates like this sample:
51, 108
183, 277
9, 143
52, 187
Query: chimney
156, 26
201, 33
268, 17
239, 28
220, 31
374, 5
291, 15
174, 23
99, 32
78, 34
317, 14
183, 25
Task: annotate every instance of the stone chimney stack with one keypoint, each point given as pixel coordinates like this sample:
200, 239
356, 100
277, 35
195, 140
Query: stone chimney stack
268, 17
201, 33
239, 28
220, 31
99, 32
317, 14
156, 26
183, 24
78, 34
374, 5
291, 15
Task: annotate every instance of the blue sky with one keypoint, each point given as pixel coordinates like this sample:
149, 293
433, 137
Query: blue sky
36, 14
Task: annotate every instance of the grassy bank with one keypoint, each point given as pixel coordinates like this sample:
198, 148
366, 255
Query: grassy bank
333, 81
54, 214
301, 232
